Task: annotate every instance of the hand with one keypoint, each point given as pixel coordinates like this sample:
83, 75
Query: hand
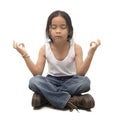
95, 44
20, 47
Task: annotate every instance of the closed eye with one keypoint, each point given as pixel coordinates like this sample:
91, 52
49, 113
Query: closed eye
63, 26
53, 26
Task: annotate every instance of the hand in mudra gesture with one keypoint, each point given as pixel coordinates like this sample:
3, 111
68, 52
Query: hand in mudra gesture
94, 45
20, 47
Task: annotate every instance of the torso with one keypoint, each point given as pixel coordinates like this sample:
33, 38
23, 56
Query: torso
61, 62
61, 52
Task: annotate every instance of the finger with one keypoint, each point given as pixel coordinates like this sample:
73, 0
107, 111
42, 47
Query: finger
98, 42
14, 44
21, 45
93, 44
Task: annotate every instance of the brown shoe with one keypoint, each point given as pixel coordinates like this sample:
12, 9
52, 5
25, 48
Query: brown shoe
85, 101
38, 100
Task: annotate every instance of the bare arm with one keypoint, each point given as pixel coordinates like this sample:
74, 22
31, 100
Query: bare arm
34, 68
83, 66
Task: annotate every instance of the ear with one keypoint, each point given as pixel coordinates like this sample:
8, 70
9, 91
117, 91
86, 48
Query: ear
70, 33
49, 35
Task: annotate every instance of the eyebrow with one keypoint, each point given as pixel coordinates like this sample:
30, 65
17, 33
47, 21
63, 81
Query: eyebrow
60, 24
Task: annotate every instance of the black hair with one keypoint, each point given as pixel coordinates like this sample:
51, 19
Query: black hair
67, 19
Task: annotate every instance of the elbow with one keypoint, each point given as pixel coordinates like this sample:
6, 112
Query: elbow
37, 71
81, 73
34, 73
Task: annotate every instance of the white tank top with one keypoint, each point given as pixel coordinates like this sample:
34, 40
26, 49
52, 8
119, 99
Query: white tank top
65, 67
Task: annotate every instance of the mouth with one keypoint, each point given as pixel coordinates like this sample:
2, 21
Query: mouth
58, 37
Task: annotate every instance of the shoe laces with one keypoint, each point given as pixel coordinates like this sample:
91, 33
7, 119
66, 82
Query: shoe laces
72, 106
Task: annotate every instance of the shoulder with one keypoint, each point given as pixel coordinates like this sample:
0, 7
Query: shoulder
78, 48
42, 50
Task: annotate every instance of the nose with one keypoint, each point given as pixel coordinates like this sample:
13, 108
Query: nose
58, 30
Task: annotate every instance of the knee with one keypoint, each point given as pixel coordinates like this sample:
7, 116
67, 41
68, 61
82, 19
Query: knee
35, 81
31, 83
87, 87
86, 84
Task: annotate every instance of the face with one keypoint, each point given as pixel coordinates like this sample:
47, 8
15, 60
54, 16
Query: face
58, 29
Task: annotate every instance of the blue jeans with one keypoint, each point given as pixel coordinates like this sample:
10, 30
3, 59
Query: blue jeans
58, 90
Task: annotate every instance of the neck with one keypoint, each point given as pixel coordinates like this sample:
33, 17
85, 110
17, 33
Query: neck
60, 45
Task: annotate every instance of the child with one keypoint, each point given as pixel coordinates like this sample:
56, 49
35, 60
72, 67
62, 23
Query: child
66, 81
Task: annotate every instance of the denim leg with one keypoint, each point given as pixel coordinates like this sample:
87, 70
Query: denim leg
77, 85
49, 87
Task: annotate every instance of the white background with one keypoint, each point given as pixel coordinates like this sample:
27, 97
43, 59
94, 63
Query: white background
25, 21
